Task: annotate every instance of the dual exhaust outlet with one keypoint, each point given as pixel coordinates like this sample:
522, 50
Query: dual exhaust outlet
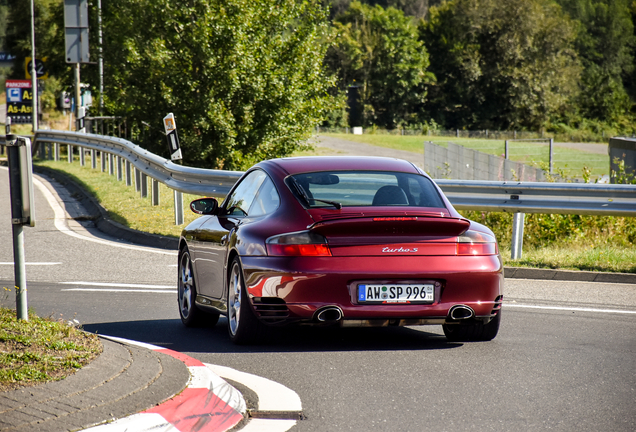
333, 314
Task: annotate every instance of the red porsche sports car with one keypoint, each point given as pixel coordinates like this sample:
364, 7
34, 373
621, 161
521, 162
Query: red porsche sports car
349, 241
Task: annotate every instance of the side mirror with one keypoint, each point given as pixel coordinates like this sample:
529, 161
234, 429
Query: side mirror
204, 206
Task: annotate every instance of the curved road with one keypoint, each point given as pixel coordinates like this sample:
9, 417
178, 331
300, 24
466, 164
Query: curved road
564, 359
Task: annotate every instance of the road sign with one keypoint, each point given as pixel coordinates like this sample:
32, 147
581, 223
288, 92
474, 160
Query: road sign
76, 31
170, 126
40, 68
19, 101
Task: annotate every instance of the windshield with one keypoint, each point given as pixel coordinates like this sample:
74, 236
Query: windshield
364, 188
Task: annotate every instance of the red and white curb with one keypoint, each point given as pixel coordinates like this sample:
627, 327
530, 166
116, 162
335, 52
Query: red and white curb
210, 404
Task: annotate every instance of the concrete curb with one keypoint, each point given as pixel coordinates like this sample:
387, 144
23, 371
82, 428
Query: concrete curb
207, 404
568, 275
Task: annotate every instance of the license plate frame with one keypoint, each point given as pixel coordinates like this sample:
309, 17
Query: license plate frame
395, 293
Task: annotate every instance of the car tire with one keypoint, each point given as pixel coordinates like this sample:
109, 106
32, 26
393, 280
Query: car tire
474, 331
190, 315
242, 324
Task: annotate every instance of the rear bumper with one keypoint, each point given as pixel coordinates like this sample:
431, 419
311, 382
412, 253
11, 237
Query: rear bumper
302, 285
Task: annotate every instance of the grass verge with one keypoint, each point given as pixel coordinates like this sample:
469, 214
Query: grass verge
41, 349
570, 161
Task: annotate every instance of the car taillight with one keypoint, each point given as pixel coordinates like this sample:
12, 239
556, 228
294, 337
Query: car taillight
298, 244
476, 243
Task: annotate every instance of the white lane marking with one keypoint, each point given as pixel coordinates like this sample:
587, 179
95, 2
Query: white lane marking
34, 263
119, 285
60, 225
134, 342
272, 396
164, 291
565, 308
268, 425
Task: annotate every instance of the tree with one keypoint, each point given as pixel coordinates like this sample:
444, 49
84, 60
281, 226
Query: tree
244, 78
606, 45
500, 65
378, 50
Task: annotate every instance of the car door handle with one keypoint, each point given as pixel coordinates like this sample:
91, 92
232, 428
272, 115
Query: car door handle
223, 240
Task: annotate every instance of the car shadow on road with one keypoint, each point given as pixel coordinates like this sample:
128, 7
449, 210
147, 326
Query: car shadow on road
174, 335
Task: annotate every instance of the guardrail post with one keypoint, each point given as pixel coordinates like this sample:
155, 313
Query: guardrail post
57, 151
93, 158
137, 180
144, 185
128, 173
155, 192
82, 156
178, 208
111, 164
506, 150
49, 151
517, 235
120, 169
70, 153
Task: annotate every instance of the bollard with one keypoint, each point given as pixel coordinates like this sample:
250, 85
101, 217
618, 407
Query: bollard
178, 208
517, 235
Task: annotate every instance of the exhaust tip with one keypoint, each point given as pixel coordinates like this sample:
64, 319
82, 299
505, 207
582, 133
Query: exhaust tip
461, 312
329, 314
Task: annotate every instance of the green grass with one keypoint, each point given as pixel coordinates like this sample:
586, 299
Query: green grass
40, 349
570, 161
123, 203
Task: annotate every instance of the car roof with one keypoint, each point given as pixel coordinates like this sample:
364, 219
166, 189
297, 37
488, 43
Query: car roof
296, 165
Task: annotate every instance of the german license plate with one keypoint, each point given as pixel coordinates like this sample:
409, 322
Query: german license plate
396, 293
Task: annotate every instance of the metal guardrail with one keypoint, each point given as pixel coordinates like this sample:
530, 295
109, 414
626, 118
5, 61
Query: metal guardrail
507, 196
537, 197
196, 181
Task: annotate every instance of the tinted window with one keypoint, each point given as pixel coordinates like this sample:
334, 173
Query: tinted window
239, 202
366, 188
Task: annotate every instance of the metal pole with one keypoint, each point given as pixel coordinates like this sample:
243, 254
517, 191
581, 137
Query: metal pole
34, 77
517, 235
78, 98
19, 268
101, 58
506, 151
178, 208
551, 142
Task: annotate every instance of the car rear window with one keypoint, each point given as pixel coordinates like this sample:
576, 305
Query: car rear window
364, 188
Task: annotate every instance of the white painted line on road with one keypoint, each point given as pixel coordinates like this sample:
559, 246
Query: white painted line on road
565, 308
34, 263
268, 425
119, 285
272, 396
121, 290
60, 225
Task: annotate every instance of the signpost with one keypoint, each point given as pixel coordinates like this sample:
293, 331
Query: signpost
76, 38
22, 211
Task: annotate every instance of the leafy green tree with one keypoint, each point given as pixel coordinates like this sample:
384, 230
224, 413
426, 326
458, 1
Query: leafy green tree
377, 49
500, 65
605, 43
244, 78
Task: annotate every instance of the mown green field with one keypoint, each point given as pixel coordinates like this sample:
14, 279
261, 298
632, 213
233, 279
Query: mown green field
570, 161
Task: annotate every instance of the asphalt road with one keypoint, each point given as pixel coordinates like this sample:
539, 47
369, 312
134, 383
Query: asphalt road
564, 359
